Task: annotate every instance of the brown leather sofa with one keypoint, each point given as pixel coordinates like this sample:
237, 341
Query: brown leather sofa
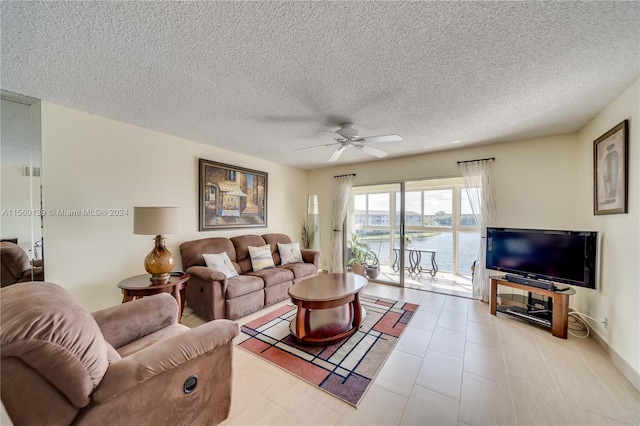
16, 266
212, 295
128, 364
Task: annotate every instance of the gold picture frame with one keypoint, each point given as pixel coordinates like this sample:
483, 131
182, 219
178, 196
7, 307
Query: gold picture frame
231, 197
610, 171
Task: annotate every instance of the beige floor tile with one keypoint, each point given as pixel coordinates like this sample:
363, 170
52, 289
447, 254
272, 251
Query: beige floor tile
614, 381
424, 320
586, 418
453, 321
192, 321
456, 304
380, 407
426, 407
479, 312
526, 363
486, 362
514, 332
414, 341
449, 342
441, 373
577, 382
432, 302
485, 402
399, 373
256, 410
298, 400
538, 404
483, 334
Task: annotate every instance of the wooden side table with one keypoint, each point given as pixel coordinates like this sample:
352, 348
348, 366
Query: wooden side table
141, 285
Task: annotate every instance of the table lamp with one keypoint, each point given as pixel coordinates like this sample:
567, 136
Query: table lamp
157, 221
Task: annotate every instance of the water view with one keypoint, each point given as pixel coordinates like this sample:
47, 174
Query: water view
442, 243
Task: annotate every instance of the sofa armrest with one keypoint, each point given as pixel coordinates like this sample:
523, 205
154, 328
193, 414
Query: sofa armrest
311, 256
125, 323
207, 274
160, 358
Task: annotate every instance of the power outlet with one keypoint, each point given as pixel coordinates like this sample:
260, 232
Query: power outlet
606, 322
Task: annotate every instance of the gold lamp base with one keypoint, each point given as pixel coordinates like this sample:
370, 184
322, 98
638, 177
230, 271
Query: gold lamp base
160, 261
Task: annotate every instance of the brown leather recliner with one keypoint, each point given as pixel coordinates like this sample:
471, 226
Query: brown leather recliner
16, 266
128, 364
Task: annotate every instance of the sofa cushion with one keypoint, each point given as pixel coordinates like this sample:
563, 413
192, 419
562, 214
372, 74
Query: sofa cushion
191, 251
289, 253
273, 276
261, 258
243, 284
150, 339
241, 244
300, 269
273, 240
221, 262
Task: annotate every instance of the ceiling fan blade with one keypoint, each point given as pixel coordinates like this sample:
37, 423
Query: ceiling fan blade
313, 147
373, 151
383, 138
337, 153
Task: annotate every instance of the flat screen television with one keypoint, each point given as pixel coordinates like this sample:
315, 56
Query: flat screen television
544, 256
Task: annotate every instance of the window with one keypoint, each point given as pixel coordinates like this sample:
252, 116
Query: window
438, 216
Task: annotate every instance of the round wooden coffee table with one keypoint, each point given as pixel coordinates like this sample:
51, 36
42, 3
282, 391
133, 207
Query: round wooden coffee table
329, 308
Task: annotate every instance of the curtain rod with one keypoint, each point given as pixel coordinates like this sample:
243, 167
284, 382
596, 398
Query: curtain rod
350, 174
480, 159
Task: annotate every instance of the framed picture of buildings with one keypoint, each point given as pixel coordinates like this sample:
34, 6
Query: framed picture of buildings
231, 197
610, 160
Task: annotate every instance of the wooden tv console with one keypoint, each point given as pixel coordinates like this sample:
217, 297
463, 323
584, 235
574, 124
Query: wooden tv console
560, 301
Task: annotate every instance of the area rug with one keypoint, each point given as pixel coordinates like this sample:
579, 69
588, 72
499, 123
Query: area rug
344, 369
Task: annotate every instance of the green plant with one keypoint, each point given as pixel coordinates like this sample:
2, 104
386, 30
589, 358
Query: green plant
359, 250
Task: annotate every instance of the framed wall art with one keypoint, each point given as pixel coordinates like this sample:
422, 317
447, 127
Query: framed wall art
610, 163
231, 197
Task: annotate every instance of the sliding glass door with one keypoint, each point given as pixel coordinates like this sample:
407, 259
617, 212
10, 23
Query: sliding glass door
422, 233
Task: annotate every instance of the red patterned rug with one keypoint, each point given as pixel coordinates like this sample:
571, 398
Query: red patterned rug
344, 369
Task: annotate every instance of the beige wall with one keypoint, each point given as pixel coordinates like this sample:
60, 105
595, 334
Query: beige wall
618, 295
94, 162
535, 180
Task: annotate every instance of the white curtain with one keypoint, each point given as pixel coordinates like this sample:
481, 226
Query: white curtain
478, 182
340, 204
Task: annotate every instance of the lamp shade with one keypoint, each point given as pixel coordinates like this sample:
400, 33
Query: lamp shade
156, 220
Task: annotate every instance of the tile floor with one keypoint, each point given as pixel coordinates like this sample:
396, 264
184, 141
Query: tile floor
455, 365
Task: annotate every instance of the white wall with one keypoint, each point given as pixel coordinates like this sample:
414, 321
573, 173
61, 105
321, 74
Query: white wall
618, 295
535, 180
94, 162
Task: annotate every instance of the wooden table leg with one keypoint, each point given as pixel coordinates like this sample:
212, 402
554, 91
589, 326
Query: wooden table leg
126, 297
176, 294
560, 316
300, 320
357, 311
493, 297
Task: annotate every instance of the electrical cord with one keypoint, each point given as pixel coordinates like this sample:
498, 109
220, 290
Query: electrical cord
578, 316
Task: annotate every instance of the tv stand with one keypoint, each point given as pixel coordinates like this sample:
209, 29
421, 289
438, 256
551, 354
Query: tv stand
557, 318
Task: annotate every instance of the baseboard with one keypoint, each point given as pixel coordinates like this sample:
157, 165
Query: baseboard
624, 367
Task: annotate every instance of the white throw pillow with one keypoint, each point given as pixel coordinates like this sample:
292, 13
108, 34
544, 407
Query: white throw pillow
221, 262
261, 257
290, 253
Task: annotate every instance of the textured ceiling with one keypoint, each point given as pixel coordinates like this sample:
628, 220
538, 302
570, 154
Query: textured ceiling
265, 78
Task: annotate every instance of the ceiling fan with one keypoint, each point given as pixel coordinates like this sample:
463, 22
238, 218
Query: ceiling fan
347, 137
